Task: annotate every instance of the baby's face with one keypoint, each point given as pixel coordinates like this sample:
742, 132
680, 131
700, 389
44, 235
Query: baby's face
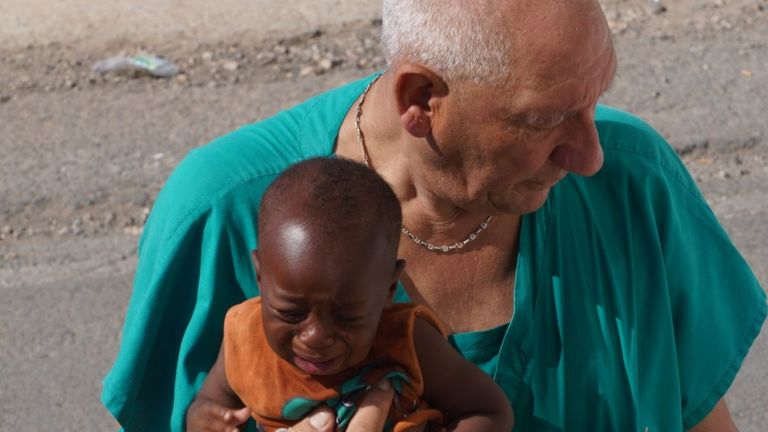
321, 303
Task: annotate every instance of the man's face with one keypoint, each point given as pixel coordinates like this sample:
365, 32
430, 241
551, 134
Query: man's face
322, 298
501, 150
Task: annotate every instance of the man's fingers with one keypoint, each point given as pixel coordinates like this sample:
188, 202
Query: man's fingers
321, 420
374, 409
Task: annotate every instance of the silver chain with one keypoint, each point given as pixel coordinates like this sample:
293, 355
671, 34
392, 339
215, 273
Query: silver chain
418, 240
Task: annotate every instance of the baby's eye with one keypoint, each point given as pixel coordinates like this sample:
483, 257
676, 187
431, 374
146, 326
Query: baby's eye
291, 316
346, 319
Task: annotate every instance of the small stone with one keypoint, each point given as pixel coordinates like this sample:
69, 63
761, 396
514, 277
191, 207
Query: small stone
182, 79
230, 66
207, 56
77, 227
746, 73
325, 64
6, 230
265, 58
133, 230
306, 70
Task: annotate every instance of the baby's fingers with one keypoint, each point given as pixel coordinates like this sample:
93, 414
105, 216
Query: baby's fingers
237, 417
208, 416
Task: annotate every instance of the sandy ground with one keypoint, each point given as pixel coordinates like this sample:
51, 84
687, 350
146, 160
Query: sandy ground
83, 156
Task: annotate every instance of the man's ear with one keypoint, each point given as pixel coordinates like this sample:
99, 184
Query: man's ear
256, 264
399, 267
419, 92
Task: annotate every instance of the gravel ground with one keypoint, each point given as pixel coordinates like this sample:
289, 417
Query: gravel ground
83, 157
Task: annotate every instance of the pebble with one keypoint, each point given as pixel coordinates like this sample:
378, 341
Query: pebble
325, 64
230, 66
133, 230
265, 58
657, 7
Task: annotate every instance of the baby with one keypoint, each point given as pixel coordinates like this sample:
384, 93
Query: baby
325, 329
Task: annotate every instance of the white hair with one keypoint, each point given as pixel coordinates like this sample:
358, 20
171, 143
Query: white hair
458, 39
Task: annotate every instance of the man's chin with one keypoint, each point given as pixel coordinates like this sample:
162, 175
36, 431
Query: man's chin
520, 204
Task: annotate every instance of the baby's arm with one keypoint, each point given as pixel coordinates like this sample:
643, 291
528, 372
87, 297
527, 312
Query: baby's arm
468, 398
216, 406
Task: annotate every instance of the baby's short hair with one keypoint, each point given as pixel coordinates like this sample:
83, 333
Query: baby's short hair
338, 194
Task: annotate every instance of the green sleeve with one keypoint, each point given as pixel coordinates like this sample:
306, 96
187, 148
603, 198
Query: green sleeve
717, 304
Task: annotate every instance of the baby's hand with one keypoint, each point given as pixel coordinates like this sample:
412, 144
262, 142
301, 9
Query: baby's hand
208, 416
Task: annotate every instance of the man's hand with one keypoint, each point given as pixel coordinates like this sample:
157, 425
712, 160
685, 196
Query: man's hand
370, 416
208, 416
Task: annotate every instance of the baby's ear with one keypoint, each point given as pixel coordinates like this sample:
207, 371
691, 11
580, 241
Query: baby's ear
256, 265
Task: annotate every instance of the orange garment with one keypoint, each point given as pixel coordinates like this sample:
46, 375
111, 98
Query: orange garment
266, 383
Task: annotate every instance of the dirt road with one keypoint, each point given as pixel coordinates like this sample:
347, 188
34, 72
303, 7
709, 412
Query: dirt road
83, 156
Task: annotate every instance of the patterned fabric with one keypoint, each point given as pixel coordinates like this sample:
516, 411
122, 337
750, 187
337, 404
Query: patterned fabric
279, 394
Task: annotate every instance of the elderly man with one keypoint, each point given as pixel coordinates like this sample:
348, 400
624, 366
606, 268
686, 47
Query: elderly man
562, 242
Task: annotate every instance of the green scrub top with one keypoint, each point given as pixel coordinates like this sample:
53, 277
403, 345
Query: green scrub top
633, 309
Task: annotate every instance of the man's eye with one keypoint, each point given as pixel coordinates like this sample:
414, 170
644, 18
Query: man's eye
547, 123
541, 128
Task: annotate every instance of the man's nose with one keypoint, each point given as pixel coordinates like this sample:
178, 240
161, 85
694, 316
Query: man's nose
315, 334
579, 150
